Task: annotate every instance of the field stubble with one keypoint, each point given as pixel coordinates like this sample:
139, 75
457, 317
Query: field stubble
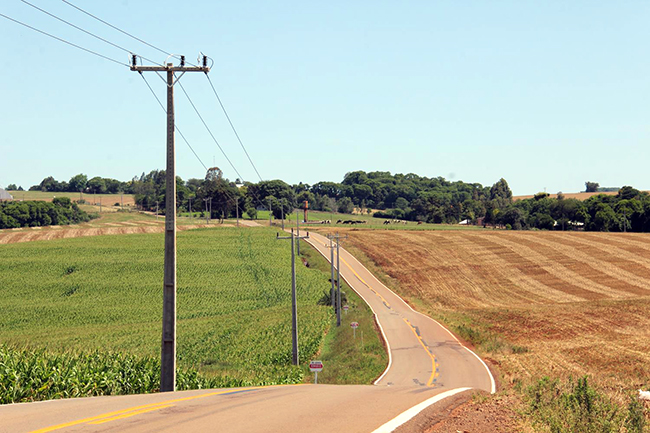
535, 303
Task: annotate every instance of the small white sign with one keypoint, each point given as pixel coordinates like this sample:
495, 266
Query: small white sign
354, 325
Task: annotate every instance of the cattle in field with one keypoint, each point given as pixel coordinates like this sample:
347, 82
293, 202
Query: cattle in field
339, 222
386, 222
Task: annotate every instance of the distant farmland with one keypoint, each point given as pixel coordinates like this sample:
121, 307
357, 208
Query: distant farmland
564, 304
106, 199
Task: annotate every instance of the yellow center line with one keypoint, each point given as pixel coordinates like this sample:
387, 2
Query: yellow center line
126, 415
434, 370
364, 282
154, 406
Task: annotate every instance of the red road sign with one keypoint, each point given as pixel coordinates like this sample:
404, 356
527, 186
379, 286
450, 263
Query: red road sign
345, 307
316, 366
354, 325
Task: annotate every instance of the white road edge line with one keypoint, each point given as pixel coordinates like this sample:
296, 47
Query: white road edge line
493, 387
412, 412
390, 357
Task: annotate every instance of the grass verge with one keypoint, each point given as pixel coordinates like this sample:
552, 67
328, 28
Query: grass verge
349, 357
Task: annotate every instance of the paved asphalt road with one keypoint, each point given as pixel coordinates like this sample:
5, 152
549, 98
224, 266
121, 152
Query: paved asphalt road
425, 361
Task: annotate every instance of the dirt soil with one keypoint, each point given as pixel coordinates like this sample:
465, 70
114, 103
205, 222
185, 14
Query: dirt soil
469, 411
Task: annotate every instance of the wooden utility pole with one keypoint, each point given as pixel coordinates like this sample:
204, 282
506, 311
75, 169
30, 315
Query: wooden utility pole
282, 210
206, 210
294, 303
333, 290
298, 230
338, 274
237, 209
168, 346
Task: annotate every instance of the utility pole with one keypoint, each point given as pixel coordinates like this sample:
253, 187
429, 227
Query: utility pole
333, 290
210, 207
282, 209
190, 199
338, 283
156, 210
270, 212
168, 345
206, 210
237, 209
338, 275
298, 229
294, 305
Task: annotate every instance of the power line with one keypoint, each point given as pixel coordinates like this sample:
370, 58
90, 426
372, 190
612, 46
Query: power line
232, 126
215, 140
83, 30
175, 126
64, 41
172, 55
229, 196
122, 31
211, 134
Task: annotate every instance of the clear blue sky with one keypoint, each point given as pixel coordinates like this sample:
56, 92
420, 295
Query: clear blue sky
545, 94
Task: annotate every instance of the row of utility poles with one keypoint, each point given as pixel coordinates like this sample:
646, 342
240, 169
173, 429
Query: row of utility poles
335, 291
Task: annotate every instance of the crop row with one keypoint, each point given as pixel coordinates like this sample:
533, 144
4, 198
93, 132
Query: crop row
105, 293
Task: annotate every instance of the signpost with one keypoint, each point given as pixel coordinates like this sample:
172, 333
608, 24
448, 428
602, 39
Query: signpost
354, 326
345, 308
315, 367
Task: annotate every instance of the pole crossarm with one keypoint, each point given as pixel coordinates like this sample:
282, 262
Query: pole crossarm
170, 68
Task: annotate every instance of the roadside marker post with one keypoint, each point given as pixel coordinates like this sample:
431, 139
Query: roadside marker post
345, 308
315, 367
354, 326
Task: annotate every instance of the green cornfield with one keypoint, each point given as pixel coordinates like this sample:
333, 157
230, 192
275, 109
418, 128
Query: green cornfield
85, 297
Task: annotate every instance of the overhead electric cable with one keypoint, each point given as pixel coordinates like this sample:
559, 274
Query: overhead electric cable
64, 41
85, 31
229, 196
232, 126
122, 31
211, 134
175, 126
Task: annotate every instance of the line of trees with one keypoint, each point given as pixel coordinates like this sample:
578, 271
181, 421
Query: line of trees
81, 183
399, 196
628, 210
61, 211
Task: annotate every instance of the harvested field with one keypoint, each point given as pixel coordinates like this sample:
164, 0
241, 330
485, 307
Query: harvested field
106, 199
112, 223
538, 303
